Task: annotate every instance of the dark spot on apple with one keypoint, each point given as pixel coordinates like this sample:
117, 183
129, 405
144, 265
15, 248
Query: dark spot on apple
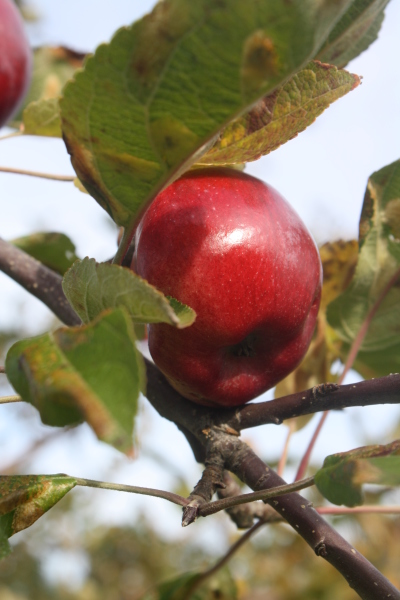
246, 347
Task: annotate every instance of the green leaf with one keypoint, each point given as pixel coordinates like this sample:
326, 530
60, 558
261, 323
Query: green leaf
221, 586
55, 250
341, 478
92, 373
378, 263
42, 117
354, 33
146, 105
280, 116
91, 288
25, 498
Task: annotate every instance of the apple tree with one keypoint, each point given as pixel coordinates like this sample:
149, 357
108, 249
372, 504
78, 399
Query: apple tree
193, 88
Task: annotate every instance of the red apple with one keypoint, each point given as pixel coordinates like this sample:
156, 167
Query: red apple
15, 60
233, 249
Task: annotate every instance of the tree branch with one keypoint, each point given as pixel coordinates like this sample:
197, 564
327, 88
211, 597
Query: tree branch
383, 390
41, 282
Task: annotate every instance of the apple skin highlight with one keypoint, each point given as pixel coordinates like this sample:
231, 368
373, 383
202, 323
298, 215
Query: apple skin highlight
230, 247
15, 60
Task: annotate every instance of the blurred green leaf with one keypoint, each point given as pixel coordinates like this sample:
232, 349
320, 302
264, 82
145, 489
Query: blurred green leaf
147, 105
342, 475
91, 287
354, 33
55, 250
42, 117
25, 498
280, 116
221, 586
92, 373
378, 263
52, 68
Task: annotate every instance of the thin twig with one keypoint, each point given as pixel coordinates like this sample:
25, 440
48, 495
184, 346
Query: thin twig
133, 489
213, 507
306, 458
356, 345
9, 399
284, 455
351, 357
357, 510
202, 578
68, 178
11, 135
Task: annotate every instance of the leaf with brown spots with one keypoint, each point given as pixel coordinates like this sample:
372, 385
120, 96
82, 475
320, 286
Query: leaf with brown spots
92, 373
147, 105
25, 498
279, 117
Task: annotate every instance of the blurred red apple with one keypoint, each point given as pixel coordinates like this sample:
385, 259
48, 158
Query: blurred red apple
15, 60
233, 249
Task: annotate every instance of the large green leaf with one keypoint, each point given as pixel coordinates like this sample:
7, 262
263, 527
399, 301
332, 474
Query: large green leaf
146, 105
91, 288
378, 263
25, 498
92, 373
341, 478
354, 33
55, 250
280, 116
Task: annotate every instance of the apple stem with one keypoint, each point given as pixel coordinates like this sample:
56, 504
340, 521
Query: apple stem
123, 248
68, 178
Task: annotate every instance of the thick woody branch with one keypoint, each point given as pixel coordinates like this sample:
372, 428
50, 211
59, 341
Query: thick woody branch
383, 390
326, 542
37, 279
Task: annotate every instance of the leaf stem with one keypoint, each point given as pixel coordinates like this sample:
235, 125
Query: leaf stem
9, 399
355, 347
133, 489
11, 135
69, 178
366, 509
212, 507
